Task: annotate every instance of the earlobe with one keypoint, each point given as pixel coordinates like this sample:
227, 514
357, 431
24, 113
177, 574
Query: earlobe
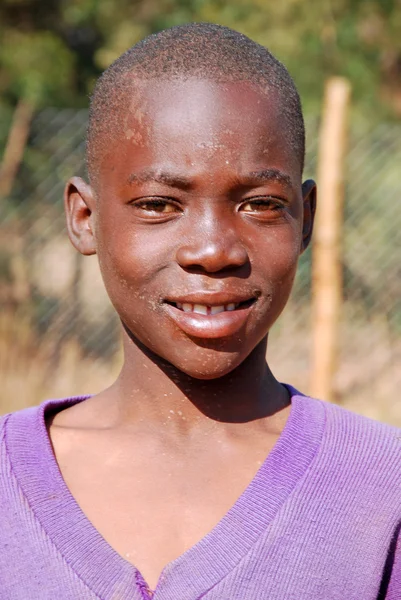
79, 204
309, 208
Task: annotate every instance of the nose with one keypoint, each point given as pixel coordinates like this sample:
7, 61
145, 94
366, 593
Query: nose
213, 247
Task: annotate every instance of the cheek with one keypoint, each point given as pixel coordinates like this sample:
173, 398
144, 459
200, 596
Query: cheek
280, 253
133, 265
124, 251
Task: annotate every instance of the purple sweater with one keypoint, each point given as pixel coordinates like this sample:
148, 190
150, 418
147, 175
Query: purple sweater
320, 521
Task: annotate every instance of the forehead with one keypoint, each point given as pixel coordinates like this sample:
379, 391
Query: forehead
201, 124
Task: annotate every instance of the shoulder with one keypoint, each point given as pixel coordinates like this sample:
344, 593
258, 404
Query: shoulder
360, 449
360, 434
354, 479
25, 429
9, 489
345, 432
14, 430
3, 423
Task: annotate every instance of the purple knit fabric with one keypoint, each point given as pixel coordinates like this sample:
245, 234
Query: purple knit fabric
320, 520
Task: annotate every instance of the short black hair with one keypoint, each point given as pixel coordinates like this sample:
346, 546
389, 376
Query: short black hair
202, 50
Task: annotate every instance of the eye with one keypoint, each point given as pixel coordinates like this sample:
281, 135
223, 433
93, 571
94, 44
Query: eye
256, 205
156, 206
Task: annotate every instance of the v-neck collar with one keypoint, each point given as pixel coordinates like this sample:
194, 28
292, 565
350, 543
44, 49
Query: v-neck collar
201, 567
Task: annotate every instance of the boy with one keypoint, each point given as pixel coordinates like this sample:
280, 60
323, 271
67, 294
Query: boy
197, 474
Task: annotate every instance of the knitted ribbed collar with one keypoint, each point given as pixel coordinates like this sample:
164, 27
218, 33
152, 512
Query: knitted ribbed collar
201, 567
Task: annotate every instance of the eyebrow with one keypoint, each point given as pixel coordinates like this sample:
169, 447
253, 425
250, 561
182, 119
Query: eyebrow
163, 177
265, 176
182, 182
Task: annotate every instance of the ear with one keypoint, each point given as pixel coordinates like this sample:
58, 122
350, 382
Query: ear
309, 205
79, 205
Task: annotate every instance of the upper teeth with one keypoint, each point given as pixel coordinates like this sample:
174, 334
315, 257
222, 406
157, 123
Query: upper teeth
204, 309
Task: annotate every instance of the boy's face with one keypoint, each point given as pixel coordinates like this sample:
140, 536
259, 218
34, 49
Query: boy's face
199, 209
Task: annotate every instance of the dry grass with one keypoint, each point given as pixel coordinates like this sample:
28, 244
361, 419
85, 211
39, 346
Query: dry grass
367, 381
368, 376
32, 370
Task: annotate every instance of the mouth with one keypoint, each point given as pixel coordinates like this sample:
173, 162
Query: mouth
210, 309
212, 320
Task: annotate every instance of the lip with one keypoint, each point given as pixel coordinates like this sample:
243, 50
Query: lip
221, 325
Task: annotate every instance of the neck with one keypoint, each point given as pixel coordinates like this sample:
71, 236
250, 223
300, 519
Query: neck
151, 390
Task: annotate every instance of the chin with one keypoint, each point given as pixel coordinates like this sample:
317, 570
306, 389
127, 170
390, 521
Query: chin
208, 374
202, 359
208, 364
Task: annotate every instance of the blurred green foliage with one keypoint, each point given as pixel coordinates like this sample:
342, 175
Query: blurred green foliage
51, 52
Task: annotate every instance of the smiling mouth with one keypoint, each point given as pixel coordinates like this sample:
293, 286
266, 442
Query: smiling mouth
208, 309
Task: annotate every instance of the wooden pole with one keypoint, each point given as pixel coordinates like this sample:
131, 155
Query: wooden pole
326, 256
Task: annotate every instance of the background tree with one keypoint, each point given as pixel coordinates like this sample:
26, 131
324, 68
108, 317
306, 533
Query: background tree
51, 52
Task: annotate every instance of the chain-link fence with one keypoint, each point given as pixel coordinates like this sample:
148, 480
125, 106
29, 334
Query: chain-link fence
59, 334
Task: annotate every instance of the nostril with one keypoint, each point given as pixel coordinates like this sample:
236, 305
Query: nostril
212, 257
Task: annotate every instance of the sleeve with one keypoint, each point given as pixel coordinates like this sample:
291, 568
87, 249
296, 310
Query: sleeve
393, 586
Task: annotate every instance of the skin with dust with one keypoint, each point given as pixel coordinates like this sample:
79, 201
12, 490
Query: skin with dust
198, 217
